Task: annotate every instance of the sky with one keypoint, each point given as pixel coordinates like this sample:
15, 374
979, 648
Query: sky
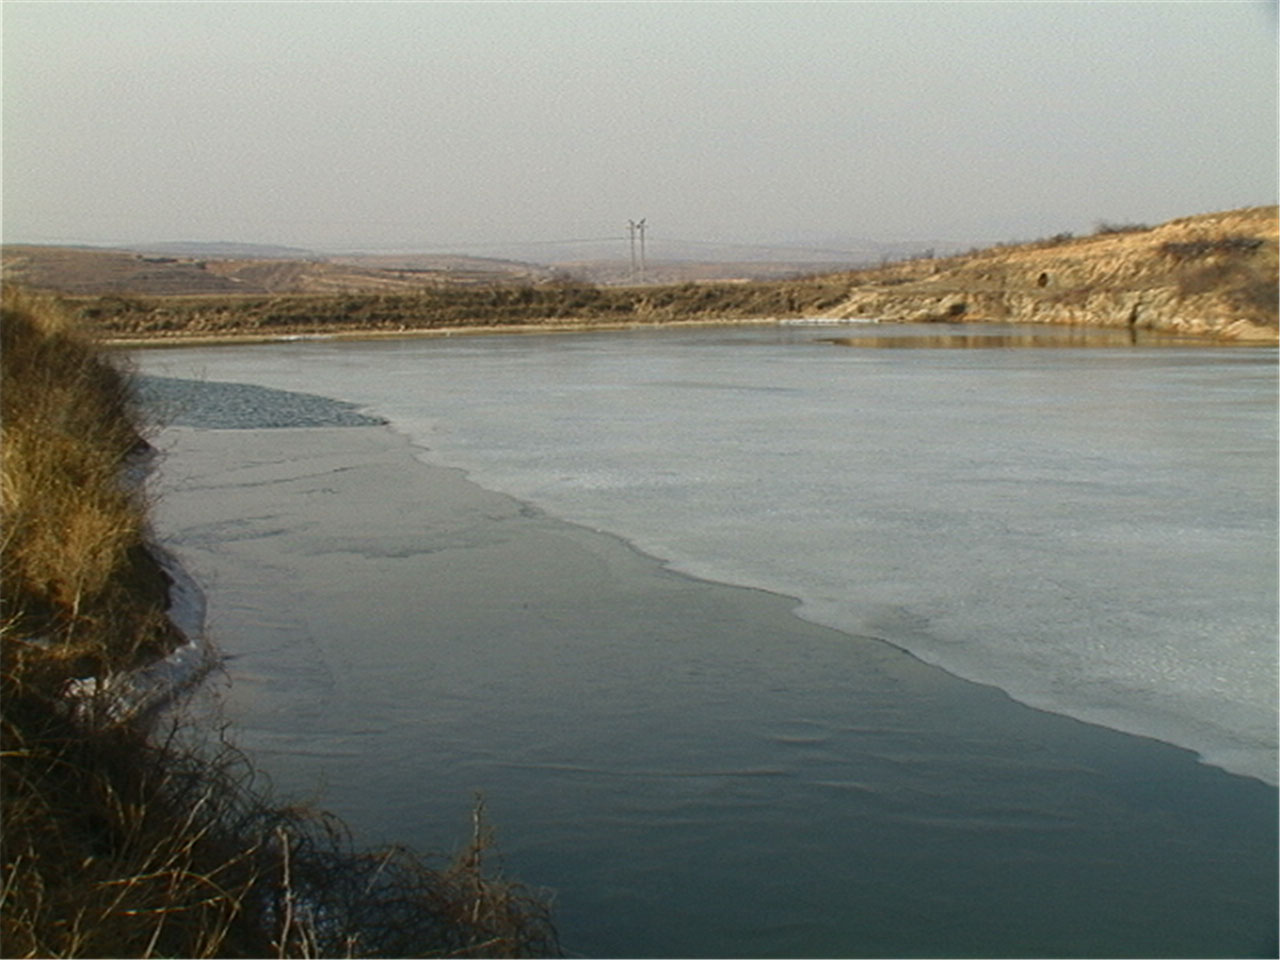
464, 126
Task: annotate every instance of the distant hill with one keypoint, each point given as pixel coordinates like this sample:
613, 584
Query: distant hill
192, 269
175, 269
187, 267
223, 250
819, 251
86, 270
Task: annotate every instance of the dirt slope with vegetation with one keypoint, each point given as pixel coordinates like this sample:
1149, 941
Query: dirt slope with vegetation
124, 840
1214, 274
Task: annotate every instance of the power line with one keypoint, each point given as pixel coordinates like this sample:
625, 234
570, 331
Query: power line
767, 246
534, 243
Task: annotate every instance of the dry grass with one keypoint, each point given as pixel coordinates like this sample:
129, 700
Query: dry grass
117, 843
116, 846
76, 572
1212, 274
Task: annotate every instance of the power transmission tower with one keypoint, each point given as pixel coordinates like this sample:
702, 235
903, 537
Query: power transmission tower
635, 227
640, 227
631, 228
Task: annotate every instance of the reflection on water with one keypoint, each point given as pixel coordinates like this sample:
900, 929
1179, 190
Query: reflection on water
982, 339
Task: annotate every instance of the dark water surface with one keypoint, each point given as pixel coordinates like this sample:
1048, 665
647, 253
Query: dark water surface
690, 768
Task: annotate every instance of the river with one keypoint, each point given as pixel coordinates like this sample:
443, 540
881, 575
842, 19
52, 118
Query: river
592, 625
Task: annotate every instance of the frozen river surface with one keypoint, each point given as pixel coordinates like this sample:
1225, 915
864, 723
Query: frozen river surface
690, 768
1093, 529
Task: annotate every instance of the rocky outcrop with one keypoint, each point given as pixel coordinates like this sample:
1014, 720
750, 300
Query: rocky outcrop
1214, 274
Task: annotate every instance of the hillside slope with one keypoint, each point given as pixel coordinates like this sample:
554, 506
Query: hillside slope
1212, 274
90, 271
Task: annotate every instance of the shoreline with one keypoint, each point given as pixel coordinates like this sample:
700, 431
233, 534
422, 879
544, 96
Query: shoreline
363, 333
143, 692
355, 333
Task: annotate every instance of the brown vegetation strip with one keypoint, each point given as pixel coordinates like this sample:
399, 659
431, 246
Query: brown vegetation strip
541, 307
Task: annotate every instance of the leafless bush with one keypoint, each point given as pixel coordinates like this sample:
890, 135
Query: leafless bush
1104, 227
115, 845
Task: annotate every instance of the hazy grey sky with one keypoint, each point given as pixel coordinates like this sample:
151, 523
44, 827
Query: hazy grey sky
438, 125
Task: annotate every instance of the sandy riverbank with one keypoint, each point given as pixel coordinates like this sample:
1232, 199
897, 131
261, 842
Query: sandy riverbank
1046, 332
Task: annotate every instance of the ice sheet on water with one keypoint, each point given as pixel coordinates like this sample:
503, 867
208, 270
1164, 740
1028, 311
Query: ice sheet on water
1067, 525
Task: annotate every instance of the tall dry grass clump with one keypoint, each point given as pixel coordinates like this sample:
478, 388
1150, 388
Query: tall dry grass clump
81, 593
117, 842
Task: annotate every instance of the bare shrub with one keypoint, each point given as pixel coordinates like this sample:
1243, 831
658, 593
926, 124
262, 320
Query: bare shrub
1105, 227
115, 845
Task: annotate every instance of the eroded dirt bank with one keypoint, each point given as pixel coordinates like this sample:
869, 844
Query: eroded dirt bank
1214, 274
